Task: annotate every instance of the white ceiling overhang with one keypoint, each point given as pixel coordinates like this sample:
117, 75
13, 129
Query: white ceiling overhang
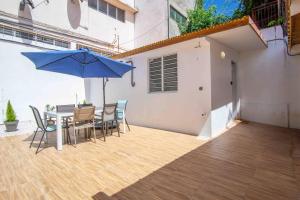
243, 38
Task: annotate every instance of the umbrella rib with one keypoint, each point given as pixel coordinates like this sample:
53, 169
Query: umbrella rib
107, 66
54, 61
83, 62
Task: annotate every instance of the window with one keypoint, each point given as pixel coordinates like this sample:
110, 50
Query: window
24, 35
121, 15
112, 11
163, 74
34, 37
177, 16
45, 40
93, 4
63, 44
6, 31
102, 6
108, 9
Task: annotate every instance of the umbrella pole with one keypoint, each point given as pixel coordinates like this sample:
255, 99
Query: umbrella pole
103, 92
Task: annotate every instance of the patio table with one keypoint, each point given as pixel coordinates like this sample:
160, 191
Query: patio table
60, 115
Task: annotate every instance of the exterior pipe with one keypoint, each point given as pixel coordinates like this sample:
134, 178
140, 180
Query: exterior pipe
168, 10
132, 74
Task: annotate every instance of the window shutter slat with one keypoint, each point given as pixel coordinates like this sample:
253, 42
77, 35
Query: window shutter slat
170, 72
155, 75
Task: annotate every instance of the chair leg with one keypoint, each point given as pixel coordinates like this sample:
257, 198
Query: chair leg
46, 137
103, 131
40, 142
90, 132
127, 124
118, 127
70, 142
94, 133
68, 136
74, 134
64, 133
106, 131
33, 137
111, 128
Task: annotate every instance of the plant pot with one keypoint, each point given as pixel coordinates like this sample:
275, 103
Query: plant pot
11, 126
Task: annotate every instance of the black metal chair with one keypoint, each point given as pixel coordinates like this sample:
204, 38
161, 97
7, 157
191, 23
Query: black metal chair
40, 125
66, 121
108, 118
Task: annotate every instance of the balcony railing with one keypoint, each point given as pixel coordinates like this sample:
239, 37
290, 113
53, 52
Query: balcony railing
265, 13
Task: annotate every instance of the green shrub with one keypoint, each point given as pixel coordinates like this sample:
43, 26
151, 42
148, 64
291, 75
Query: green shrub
277, 22
201, 18
10, 113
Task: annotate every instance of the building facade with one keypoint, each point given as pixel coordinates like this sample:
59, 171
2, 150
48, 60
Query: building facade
158, 19
106, 26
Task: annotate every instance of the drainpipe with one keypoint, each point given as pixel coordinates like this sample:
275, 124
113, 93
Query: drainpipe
168, 9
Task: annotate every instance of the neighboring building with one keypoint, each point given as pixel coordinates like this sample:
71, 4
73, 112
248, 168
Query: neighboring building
158, 19
75, 23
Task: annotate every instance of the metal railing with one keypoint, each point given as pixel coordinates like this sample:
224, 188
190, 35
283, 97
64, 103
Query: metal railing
265, 13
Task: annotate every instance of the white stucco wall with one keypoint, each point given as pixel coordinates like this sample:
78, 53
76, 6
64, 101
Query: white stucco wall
77, 17
269, 84
21, 83
152, 20
186, 110
221, 89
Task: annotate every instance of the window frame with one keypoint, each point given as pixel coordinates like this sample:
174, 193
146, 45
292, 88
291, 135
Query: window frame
98, 7
162, 74
93, 7
124, 15
176, 14
107, 13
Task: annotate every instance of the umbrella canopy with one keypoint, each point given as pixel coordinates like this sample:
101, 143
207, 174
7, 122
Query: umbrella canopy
82, 63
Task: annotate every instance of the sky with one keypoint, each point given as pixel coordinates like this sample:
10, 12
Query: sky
225, 7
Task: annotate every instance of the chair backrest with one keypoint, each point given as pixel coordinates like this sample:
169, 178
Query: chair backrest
65, 108
85, 105
109, 112
38, 118
122, 104
84, 114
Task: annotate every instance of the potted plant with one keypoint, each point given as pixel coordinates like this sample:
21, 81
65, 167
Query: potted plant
11, 122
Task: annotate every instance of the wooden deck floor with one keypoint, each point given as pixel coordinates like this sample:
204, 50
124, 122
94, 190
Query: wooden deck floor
249, 161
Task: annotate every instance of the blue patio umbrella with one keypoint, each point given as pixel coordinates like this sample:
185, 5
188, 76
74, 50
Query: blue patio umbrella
82, 63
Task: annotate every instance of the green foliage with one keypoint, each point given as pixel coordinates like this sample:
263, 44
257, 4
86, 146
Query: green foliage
49, 107
200, 18
277, 22
199, 3
10, 113
245, 8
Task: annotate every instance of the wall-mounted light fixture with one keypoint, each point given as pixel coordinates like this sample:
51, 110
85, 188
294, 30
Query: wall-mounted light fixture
198, 46
223, 54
